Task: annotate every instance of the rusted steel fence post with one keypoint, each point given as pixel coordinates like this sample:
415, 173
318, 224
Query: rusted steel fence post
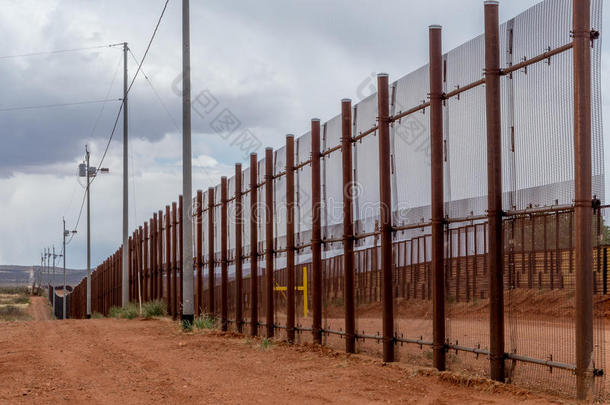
153, 256
224, 271
437, 198
168, 260
211, 261
180, 215
583, 246
146, 264
239, 317
174, 261
290, 299
199, 242
349, 188
385, 215
160, 256
494, 191
316, 231
269, 249
130, 268
253, 246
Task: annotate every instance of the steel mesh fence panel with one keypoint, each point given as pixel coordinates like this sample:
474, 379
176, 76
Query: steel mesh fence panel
537, 171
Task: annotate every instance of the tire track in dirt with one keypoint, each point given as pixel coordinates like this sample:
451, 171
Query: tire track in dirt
140, 362
38, 309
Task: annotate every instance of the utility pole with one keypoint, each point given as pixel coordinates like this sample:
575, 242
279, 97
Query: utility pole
125, 253
85, 170
188, 308
88, 314
64, 295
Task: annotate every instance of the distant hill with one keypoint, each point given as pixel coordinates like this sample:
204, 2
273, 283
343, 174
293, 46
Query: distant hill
14, 275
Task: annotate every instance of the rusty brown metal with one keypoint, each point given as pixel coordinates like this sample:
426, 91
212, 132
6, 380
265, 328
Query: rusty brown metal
349, 188
316, 231
199, 244
168, 260
145, 294
160, 255
211, 259
385, 216
583, 244
180, 257
239, 317
253, 246
437, 196
269, 245
494, 191
153, 256
290, 284
174, 261
224, 271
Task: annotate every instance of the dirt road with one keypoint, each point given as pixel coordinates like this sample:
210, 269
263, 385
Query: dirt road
104, 361
38, 309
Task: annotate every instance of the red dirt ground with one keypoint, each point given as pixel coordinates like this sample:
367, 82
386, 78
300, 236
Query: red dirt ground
107, 361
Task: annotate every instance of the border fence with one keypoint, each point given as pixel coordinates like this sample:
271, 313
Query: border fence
453, 219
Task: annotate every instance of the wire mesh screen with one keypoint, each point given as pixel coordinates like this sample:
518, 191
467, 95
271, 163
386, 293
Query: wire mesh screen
538, 225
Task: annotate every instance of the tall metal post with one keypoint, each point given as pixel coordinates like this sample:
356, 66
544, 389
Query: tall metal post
269, 253
385, 215
316, 231
211, 261
146, 265
153, 257
253, 245
238, 250
174, 260
494, 191
125, 269
168, 258
88, 314
583, 250
187, 185
437, 197
290, 284
349, 188
199, 239
54, 279
63, 295
224, 270
160, 256
179, 304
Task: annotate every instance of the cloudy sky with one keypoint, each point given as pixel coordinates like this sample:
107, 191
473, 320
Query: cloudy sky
274, 64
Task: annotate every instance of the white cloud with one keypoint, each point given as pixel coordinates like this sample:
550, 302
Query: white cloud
274, 64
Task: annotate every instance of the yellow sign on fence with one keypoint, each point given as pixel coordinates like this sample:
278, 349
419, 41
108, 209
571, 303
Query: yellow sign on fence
298, 288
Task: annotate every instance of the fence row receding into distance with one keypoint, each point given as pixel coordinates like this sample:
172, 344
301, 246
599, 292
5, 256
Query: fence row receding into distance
452, 219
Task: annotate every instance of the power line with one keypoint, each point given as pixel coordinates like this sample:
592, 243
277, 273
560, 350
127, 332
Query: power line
34, 107
148, 46
53, 52
169, 114
121, 109
107, 95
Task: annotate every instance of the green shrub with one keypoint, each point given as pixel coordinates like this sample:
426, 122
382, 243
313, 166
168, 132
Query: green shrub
131, 311
96, 315
153, 308
14, 290
266, 344
22, 299
186, 326
12, 313
205, 322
